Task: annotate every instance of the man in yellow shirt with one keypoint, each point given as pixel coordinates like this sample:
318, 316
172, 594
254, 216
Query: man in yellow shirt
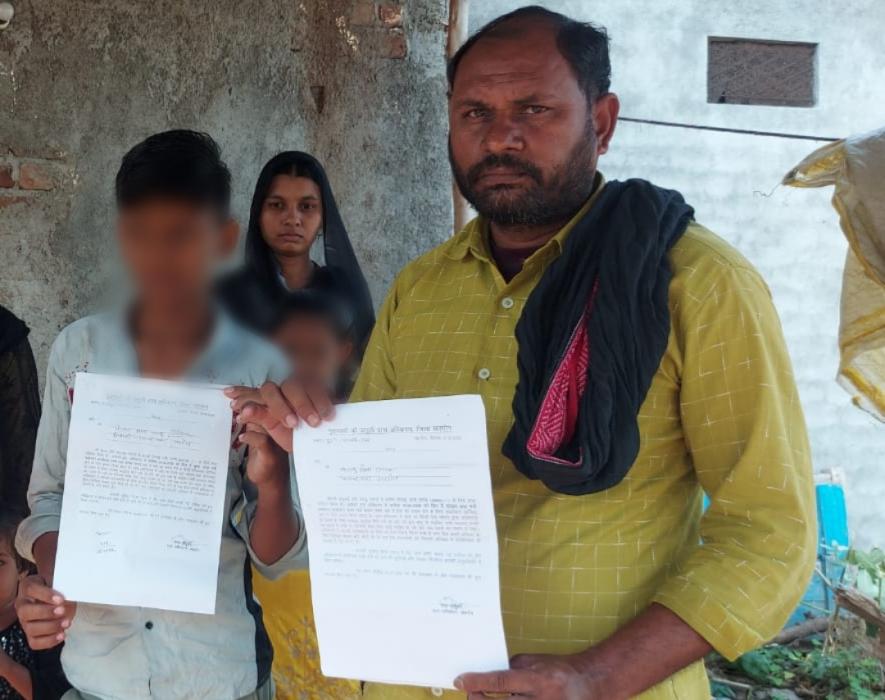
613, 584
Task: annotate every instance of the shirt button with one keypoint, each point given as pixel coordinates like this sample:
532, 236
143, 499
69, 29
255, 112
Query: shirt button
484, 373
149, 625
437, 692
507, 302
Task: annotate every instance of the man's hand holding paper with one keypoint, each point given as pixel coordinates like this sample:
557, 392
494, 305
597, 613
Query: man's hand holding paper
397, 500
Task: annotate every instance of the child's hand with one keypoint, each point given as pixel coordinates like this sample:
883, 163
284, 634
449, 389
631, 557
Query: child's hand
279, 409
44, 614
267, 463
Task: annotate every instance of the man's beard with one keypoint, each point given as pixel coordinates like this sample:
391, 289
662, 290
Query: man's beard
546, 202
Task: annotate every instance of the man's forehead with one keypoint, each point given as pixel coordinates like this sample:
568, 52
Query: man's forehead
525, 56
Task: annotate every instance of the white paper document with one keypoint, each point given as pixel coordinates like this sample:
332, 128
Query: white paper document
144, 493
397, 502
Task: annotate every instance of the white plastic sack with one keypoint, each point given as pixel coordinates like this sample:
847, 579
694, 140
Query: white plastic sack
856, 166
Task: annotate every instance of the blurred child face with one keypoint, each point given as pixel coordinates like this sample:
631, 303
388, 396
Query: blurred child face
291, 216
314, 350
171, 247
9, 574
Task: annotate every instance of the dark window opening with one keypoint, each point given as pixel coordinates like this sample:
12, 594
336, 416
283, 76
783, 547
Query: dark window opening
761, 72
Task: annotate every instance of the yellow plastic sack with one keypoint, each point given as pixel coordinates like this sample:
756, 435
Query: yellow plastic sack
856, 166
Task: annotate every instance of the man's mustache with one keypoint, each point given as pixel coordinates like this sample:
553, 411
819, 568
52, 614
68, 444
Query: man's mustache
523, 167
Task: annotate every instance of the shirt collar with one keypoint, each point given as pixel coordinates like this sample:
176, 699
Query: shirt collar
223, 343
314, 266
473, 238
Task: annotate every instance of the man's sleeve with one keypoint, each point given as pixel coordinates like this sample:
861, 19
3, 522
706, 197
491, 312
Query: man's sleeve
745, 431
50, 455
376, 380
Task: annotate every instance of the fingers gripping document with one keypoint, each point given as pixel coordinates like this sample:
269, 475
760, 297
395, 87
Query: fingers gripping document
144, 496
403, 549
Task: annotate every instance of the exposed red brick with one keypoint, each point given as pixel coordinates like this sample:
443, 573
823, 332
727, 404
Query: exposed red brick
391, 14
35, 176
8, 200
363, 13
394, 44
6, 179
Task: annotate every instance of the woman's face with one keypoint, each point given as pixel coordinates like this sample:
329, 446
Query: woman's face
291, 215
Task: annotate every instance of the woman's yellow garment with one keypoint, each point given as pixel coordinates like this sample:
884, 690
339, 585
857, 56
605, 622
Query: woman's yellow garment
288, 617
856, 166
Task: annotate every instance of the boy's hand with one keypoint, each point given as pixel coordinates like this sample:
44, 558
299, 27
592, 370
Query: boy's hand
279, 409
268, 417
268, 463
44, 614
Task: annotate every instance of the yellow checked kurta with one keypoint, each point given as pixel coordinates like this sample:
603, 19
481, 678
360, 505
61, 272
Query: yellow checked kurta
722, 416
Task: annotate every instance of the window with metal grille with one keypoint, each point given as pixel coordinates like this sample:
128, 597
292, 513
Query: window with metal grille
761, 72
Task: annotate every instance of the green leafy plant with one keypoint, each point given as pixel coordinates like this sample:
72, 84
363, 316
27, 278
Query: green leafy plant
770, 666
720, 690
871, 563
841, 670
842, 673
864, 564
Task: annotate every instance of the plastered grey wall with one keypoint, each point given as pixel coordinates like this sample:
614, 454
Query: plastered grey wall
79, 82
659, 58
360, 84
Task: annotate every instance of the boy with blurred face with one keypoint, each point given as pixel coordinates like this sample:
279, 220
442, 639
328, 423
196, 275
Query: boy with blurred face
173, 193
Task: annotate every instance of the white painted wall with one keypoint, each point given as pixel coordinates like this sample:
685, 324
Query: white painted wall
659, 60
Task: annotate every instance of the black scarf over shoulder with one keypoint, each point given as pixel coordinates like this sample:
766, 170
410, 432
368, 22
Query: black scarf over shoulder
591, 337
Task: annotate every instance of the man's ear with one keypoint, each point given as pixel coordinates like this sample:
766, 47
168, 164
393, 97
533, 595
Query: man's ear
605, 118
230, 234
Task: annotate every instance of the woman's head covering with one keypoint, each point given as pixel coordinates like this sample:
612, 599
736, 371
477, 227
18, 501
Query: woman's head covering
12, 330
340, 260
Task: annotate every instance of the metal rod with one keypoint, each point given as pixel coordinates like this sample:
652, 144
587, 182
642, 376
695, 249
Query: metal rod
459, 11
751, 132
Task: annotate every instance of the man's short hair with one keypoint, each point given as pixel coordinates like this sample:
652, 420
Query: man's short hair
332, 308
583, 45
178, 164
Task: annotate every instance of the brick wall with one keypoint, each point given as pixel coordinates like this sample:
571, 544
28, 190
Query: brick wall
358, 83
25, 177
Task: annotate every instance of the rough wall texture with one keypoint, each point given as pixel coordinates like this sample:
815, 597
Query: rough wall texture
361, 85
659, 59
358, 83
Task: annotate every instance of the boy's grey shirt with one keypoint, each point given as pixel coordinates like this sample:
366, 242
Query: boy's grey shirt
130, 653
